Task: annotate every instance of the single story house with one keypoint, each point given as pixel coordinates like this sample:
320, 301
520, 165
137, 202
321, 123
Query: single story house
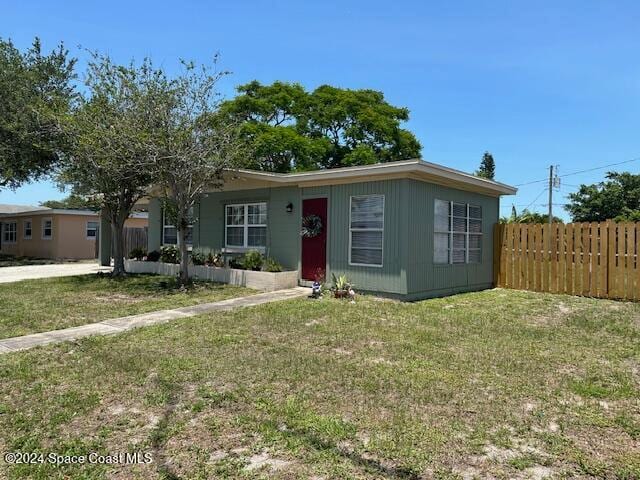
407, 229
52, 233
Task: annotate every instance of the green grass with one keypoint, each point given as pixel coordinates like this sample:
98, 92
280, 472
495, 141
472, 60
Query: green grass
499, 384
33, 306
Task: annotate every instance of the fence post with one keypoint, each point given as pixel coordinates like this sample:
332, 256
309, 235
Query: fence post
497, 248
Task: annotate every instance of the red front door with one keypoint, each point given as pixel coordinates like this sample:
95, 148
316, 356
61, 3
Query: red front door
314, 250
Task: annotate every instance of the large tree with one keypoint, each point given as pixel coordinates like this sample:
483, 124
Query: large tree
487, 167
110, 157
194, 144
36, 92
292, 129
617, 198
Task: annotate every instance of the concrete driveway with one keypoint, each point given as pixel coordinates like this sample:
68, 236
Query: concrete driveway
15, 274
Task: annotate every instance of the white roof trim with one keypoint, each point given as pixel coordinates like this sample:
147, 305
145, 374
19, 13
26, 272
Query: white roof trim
416, 166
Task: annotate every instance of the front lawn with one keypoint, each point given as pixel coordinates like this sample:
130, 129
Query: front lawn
500, 384
33, 306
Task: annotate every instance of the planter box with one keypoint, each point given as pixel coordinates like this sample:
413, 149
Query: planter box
266, 281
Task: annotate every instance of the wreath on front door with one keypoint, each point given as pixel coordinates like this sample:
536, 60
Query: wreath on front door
311, 226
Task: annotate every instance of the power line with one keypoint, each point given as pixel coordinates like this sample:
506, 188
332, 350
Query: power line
580, 171
535, 199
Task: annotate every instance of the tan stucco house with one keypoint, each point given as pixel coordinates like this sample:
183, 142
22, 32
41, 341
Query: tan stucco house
53, 233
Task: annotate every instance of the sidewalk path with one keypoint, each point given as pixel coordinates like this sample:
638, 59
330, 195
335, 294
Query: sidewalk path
117, 325
29, 272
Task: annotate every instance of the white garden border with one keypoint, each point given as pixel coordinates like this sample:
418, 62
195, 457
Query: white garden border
265, 281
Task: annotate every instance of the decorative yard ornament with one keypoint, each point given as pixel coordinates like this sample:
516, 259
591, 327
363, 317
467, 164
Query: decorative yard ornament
311, 226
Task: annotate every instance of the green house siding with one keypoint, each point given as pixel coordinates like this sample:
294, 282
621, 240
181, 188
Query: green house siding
282, 227
425, 278
154, 238
391, 277
408, 270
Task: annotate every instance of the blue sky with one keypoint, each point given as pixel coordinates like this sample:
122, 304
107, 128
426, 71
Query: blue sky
535, 83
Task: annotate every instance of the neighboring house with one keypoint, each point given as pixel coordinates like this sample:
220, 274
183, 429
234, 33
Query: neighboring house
408, 229
41, 232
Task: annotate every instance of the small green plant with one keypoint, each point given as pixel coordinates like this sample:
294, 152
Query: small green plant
153, 256
272, 265
170, 254
137, 253
198, 256
252, 260
342, 286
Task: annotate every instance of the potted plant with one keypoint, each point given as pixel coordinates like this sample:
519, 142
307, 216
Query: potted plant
342, 287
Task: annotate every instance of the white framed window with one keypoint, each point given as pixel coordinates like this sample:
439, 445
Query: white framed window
27, 229
245, 226
457, 234
170, 232
10, 232
47, 228
92, 230
366, 230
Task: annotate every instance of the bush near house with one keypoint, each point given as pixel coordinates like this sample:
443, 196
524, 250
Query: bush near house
169, 254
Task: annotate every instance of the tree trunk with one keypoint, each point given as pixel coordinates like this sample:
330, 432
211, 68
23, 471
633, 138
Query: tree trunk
184, 255
117, 229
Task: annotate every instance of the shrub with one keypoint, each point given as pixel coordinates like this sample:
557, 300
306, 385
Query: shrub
198, 257
170, 254
271, 265
137, 253
236, 263
252, 260
153, 256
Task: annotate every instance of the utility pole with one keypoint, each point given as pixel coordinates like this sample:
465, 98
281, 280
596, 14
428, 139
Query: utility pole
550, 194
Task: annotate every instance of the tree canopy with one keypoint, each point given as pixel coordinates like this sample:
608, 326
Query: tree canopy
110, 155
617, 198
291, 129
487, 167
193, 144
74, 201
36, 93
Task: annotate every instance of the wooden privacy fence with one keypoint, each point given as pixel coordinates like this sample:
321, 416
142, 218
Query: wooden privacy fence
134, 238
588, 259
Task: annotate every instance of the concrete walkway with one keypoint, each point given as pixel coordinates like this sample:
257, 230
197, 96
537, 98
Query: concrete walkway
29, 272
117, 325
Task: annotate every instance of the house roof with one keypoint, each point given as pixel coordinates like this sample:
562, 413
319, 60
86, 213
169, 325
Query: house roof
416, 168
49, 211
9, 208
62, 211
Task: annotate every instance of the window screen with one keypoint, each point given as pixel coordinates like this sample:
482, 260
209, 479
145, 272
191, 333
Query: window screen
366, 230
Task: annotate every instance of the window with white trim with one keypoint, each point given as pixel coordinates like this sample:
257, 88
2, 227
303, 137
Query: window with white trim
10, 232
457, 234
47, 229
170, 232
27, 229
246, 225
92, 230
366, 230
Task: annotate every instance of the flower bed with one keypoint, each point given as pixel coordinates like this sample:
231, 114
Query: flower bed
266, 281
